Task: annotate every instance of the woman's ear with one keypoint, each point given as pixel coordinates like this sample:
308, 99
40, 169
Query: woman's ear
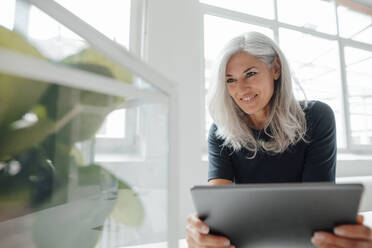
276, 68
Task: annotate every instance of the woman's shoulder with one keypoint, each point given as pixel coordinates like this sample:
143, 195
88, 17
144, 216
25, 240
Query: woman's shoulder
213, 133
315, 109
319, 115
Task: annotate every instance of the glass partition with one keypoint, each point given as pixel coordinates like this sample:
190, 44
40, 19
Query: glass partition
78, 167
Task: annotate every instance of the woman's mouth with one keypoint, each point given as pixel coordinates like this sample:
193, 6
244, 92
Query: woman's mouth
249, 99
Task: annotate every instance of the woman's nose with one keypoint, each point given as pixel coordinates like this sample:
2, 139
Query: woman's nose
243, 83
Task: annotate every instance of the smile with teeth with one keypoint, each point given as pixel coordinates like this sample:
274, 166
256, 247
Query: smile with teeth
249, 98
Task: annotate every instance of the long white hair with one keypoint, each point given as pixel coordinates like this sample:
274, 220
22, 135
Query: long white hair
286, 123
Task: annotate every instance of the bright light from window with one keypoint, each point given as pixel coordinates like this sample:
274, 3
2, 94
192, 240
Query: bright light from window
114, 125
355, 25
111, 17
262, 8
317, 15
7, 13
51, 38
315, 63
358, 68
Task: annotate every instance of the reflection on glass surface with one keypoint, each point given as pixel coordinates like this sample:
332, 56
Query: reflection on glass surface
315, 62
217, 32
113, 16
78, 168
262, 8
358, 69
355, 22
317, 15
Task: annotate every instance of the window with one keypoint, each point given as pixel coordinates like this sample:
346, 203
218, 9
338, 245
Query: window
262, 8
315, 62
301, 14
358, 69
330, 53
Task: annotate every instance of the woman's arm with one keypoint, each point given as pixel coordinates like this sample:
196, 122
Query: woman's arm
220, 164
320, 155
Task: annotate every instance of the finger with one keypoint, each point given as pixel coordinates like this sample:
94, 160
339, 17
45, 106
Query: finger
326, 246
360, 219
192, 244
324, 238
194, 220
206, 239
354, 231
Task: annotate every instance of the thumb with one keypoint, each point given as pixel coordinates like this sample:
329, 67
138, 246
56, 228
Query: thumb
360, 219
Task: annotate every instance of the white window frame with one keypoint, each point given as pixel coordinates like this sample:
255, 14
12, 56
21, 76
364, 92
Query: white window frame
274, 25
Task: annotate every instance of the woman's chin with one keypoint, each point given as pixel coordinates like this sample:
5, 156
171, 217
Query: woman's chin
249, 110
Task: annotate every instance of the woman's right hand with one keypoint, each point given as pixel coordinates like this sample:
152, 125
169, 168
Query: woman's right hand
197, 235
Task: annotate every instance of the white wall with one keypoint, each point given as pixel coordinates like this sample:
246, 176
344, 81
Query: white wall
174, 48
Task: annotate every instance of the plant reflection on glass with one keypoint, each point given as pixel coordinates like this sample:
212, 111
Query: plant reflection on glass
40, 163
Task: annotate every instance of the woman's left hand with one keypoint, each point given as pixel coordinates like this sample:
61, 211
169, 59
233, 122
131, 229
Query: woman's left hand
345, 236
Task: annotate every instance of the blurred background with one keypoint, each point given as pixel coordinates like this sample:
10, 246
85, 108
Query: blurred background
84, 136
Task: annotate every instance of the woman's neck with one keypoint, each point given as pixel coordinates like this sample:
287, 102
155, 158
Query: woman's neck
258, 119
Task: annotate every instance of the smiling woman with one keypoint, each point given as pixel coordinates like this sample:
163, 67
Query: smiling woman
262, 134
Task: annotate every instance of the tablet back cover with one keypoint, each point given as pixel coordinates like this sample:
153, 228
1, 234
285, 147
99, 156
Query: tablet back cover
276, 215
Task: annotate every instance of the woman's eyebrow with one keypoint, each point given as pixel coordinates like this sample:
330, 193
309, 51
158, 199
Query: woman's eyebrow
246, 70
250, 68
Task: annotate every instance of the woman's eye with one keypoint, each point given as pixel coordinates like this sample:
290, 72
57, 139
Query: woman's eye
230, 80
251, 73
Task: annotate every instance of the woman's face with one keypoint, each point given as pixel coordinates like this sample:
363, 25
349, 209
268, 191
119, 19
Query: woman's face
250, 82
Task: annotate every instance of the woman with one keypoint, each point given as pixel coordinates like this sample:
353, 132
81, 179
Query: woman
261, 134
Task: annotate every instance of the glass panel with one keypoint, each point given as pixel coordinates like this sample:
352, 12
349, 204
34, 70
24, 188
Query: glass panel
315, 62
78, 168
302, 13
355, 22
217, 32
358, 69
262, 8
111, 17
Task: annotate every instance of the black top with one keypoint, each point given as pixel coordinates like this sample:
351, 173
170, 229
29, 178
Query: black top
314, 161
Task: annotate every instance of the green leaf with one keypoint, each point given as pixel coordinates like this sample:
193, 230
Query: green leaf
15, 141
89, 56
17, 95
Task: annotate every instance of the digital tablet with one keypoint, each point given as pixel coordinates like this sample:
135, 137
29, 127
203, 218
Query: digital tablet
276, 215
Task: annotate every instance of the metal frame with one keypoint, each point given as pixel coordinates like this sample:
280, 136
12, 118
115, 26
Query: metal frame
207, 9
